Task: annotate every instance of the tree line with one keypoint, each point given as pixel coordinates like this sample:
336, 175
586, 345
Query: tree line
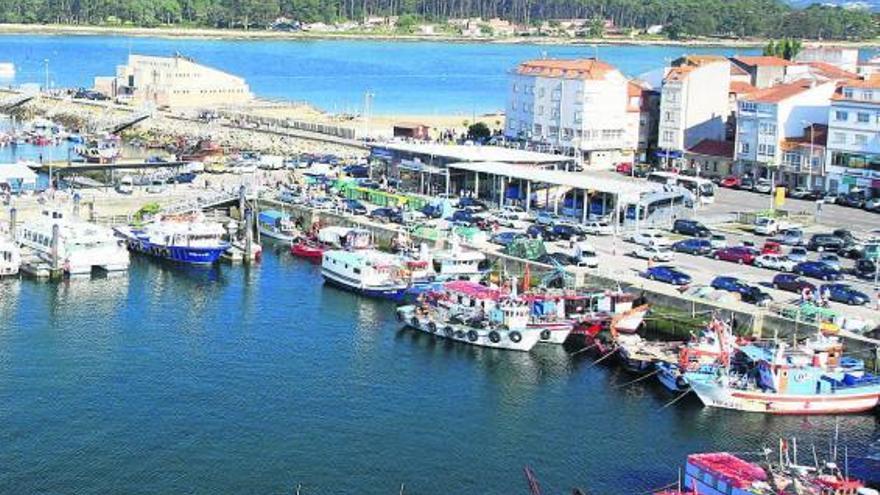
681, 18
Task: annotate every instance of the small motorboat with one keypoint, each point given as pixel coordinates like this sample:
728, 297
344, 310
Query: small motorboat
308, 249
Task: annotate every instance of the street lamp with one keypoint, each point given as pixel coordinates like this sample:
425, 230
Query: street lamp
46, 62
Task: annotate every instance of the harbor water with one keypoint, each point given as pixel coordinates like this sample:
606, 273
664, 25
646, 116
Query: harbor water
256, 379
422, 78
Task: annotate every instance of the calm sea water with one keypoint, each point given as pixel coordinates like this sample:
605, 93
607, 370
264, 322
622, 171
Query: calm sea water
253, 380
406, 77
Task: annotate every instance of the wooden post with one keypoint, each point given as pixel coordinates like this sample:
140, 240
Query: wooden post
13, 214
55, 239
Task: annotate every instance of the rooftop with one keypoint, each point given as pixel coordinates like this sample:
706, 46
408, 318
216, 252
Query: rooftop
679, 73
819, 137
606, 182
741, 88
698, 60
831, 71
872, 82
713, 147
473, 153
588, 68
763, 61
775, 94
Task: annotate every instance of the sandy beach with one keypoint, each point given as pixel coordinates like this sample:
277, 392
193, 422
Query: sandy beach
209, 33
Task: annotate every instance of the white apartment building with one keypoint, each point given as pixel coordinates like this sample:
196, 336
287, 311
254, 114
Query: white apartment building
842, 57
768, 117
853, 148
694, 104
173, 82
579, 106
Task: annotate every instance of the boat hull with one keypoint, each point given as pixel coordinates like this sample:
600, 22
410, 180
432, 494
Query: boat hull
513, 340
552, 333
277, 235
390, 292
714, 395
179, 254
309, 252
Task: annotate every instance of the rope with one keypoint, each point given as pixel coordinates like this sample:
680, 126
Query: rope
606, 356
673, 401
649, 375
585, 349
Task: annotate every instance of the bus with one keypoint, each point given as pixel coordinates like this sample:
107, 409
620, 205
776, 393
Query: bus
703, 189
659, 207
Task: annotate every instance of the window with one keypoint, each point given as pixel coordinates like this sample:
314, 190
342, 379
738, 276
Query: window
767, 128
538, 129
554, 113
839, 138
860, 139
511, 124
554, 131
578, 116
540, 92
513, 105
744, 148
667, 116
515, 87
568, 133
848, 93
540, 109
841, 115
668, 136
868, 95
748, 106
864, 117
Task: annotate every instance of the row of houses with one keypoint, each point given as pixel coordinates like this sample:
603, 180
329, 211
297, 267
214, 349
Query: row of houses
813, 122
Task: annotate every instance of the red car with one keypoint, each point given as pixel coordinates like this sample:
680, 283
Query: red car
625, 168
737, 254
729, 181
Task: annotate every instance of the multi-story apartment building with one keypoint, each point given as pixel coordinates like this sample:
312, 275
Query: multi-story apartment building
644, 109
803, 158
853, 149
694, 104
579, 106
767, 117
763, 71
842, 57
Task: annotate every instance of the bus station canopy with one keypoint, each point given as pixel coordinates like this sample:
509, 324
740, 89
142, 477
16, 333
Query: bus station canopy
628, 191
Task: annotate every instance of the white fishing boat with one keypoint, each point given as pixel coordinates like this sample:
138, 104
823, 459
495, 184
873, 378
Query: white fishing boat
473, 314
81, 246
457, 263
366, 271
277, 225
10, 258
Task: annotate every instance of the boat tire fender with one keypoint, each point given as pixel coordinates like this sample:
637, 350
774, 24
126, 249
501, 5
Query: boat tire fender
414, 322
472, 336
494, 336
545, 335
515, 337
432, 327
448, 331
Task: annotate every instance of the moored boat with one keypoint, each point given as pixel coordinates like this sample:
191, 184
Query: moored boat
184, 238
10, 258
276, 225
367, 272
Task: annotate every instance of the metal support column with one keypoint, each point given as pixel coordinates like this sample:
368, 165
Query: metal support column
528, 196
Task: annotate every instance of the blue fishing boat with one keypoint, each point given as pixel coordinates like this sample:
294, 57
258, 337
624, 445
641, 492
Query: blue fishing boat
184, 239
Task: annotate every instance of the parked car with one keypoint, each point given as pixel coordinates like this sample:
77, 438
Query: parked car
845, 294
554, 258
322, 204
763, 186
831, 260
690, 227
506, 238
748, 293
432, 211
865, 269
769, 226
775, 262
511, 219
830, 198
791, 283
653, 253
700, 247
565, 231
472, 204
797, 254
825, 242
546, 218
650, 238
737, 254
746, 184
464, 216
718, 241
771, 247
817, 269
382, 214
667, 274
354, 206
539, 231
872, 205
357, 171
803, 193
791, 237
852, 200
598, 228
404, 217
624, 168
729, 181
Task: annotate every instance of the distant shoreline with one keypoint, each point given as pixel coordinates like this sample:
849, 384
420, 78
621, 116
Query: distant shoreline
233, 34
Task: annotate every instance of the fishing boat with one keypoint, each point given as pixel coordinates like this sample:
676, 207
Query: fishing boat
473, 314
276, 225
367, 272
81, 246
100, 150
767, 381
547, 315
721, 473
641, 356
10, 258
456, 263
181, 238
314, 245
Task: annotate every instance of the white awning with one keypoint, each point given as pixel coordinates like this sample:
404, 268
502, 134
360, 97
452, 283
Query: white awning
629, 190
17, 173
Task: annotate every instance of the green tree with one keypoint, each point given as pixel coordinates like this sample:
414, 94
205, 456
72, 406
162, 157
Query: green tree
479, 132
596, 28
407, 23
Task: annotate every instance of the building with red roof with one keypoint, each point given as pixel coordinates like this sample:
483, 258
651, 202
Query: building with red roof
763, 71
710, 158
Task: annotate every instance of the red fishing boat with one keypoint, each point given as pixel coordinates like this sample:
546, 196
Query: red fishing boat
308, 249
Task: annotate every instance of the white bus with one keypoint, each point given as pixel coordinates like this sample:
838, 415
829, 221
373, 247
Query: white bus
704, 189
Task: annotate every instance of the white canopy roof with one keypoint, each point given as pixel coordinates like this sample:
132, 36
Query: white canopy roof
474, 153
628, 190
16, 172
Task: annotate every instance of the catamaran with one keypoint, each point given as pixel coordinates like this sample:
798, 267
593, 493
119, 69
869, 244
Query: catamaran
81, 246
